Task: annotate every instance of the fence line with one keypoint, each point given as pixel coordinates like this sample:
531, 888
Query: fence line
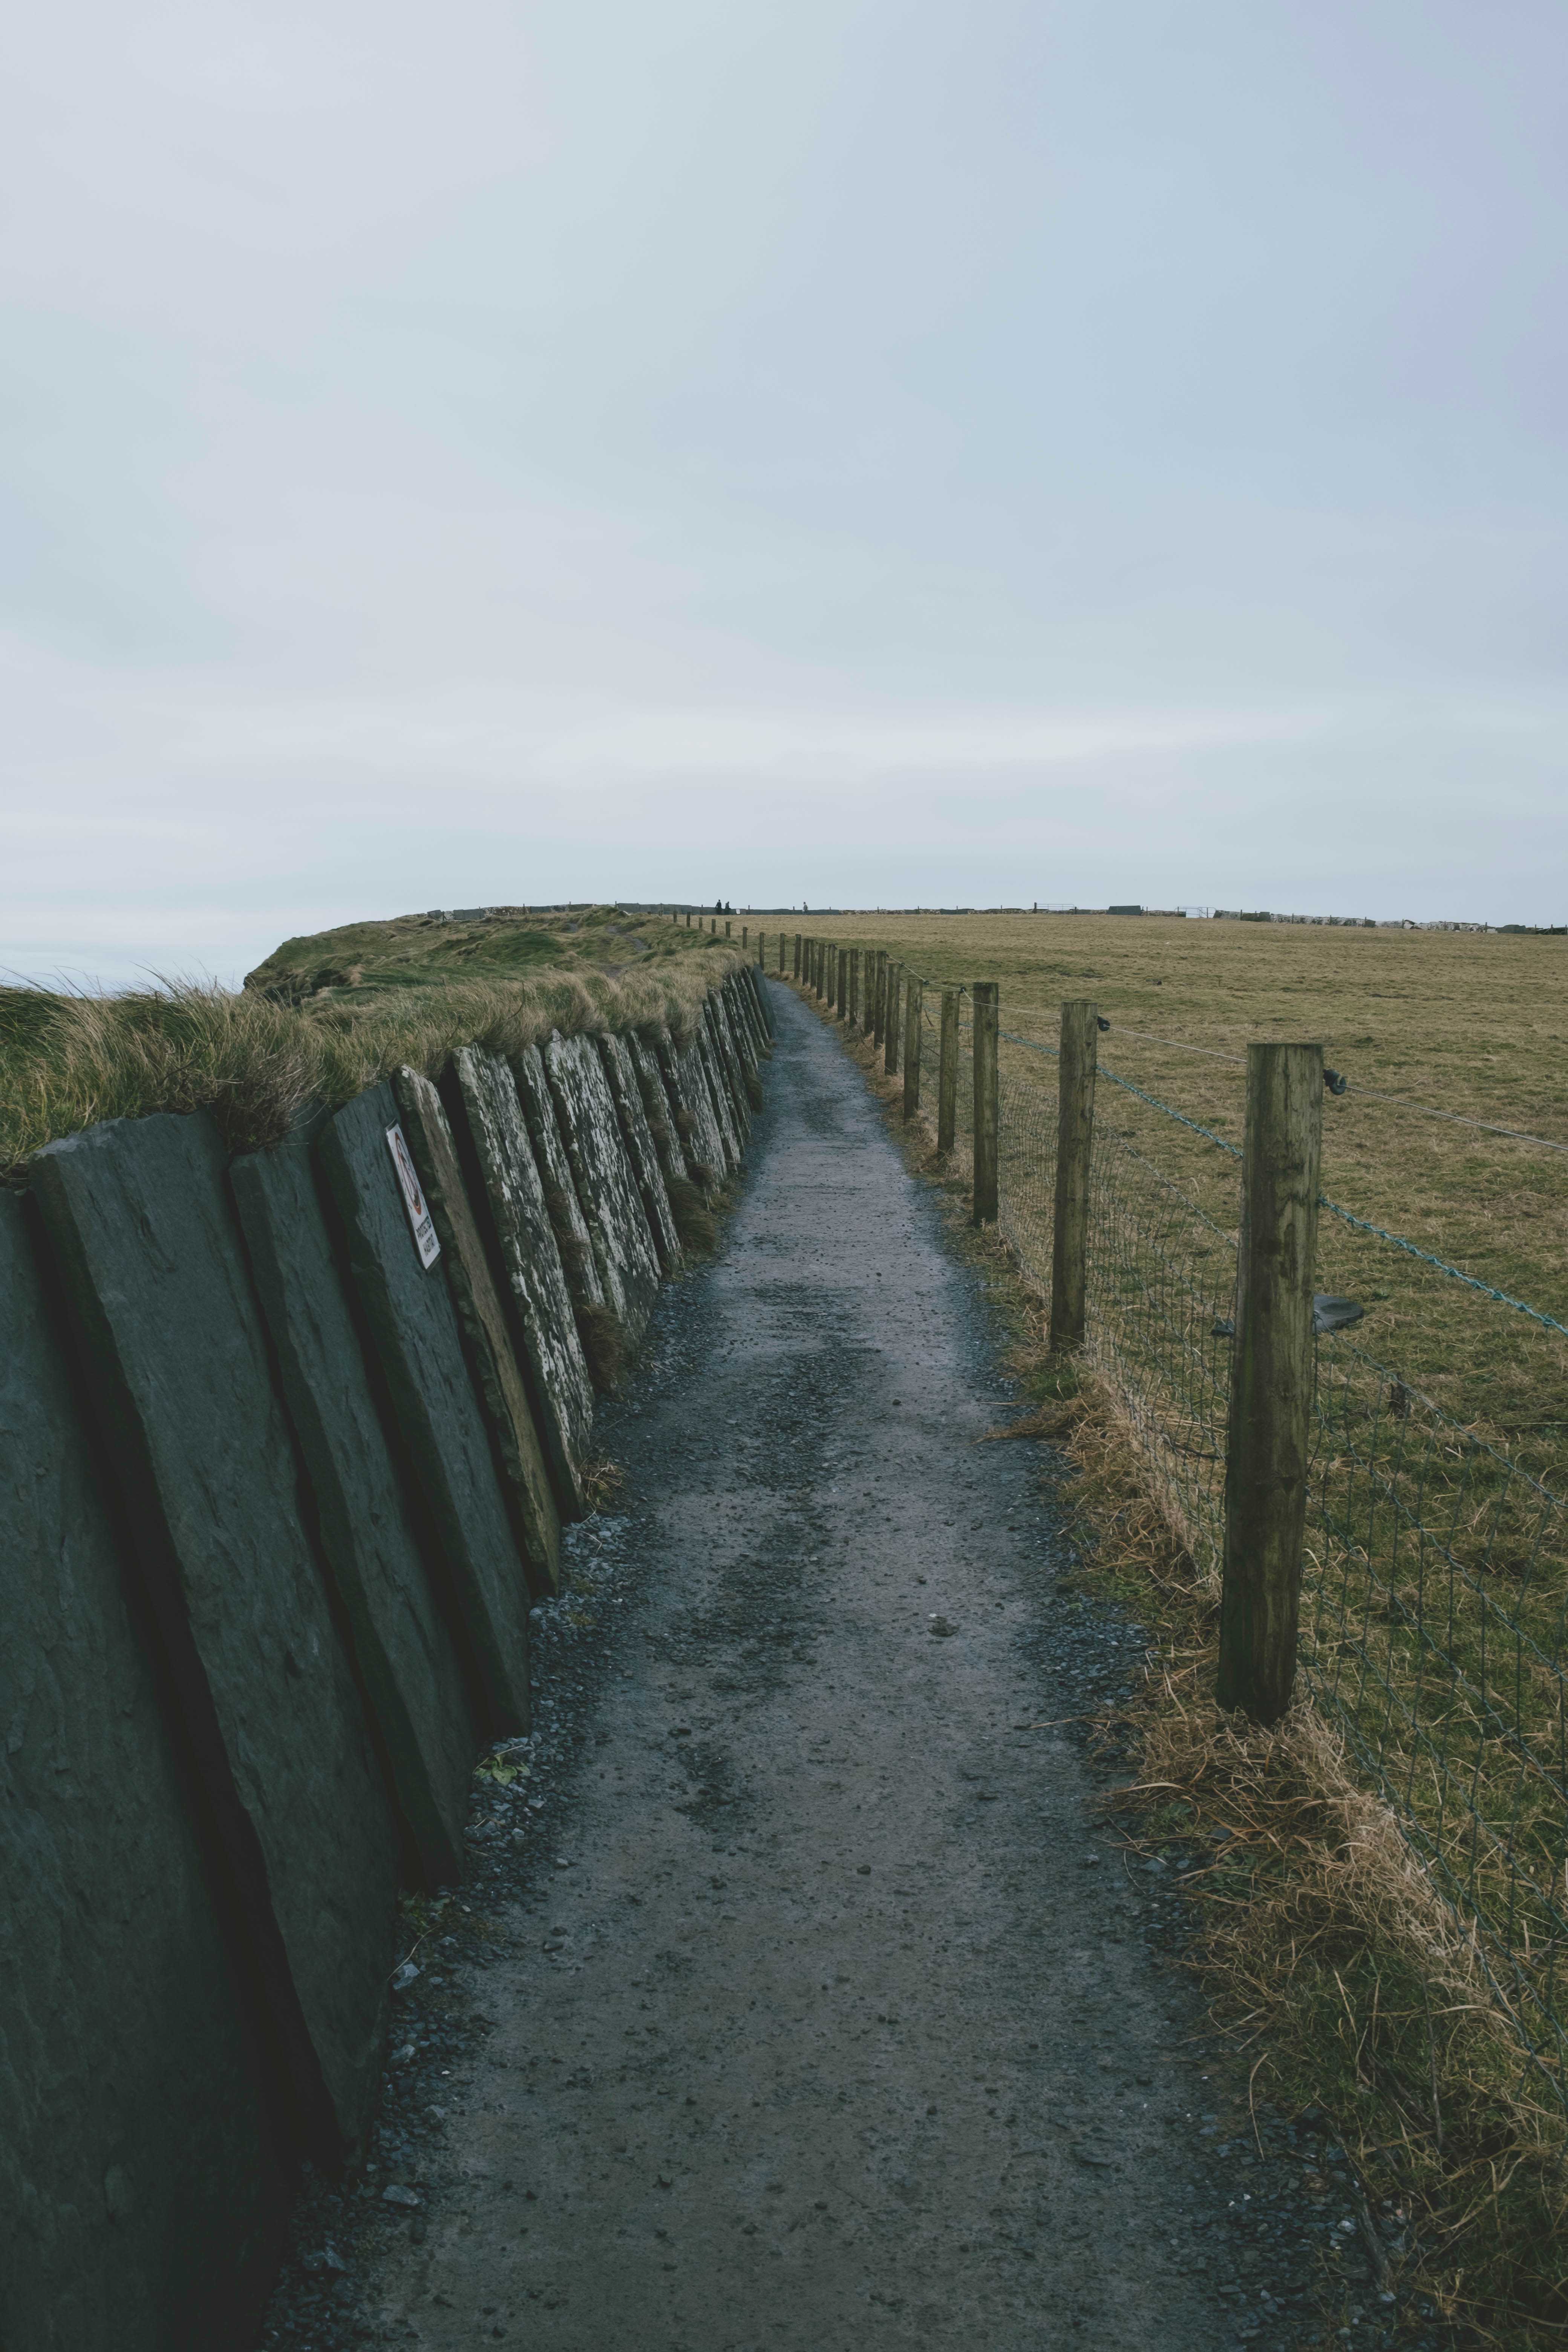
1435, 1572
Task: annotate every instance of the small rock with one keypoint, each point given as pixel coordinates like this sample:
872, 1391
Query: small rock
394, 2194
403, 1977
941, 1627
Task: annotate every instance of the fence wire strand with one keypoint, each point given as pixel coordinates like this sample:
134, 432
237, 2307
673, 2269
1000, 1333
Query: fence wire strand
1436, 1570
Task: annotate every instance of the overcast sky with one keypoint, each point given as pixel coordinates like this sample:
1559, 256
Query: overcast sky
844, 450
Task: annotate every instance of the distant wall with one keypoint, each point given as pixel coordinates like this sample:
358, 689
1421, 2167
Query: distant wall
285, 1444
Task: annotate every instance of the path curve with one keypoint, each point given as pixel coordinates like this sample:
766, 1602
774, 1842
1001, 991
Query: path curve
825, 2034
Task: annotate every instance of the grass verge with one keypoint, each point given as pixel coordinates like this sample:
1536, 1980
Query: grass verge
256, 1057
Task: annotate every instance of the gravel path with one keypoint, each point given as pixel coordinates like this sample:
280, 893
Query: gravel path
801, 2000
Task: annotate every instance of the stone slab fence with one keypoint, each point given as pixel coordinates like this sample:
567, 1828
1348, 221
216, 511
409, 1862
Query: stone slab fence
287, 1441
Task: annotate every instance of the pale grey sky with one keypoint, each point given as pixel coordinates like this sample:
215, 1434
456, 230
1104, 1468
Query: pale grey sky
820, 449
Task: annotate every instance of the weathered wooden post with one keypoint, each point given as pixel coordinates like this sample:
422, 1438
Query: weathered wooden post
742, 936
820, 959
1268, 1440
878, 993
1075, 1142
984, 996
853, 1014
843, 978
947, 1073
726, 930
891, 1025
913, 1017
762, 951
797, 955
781, 954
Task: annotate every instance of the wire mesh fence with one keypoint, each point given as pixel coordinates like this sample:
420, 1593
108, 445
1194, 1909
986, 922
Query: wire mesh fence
1436, 1568
1436, 1571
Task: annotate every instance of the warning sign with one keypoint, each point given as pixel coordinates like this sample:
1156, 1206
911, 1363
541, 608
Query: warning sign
414, 1200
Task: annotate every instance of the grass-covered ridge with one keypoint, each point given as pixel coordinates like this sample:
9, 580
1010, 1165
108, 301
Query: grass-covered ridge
324, 1017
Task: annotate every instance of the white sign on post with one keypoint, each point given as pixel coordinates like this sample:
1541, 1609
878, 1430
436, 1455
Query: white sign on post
425, 1236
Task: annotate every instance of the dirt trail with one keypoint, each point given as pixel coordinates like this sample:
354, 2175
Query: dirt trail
826, 2034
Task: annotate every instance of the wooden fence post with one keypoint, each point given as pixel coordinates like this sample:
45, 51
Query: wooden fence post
841, 973
947, 1074
1075, 1142
878, 993
891, 1025
1268, 1441
984, 993
854, 986
762, 951
797, 955
913, 1026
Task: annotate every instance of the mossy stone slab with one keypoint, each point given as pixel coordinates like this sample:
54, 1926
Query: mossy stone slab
760, 985
572, 1236
143, 1231
525, 1481
140, 2179
714, 1079
726, 1054
691, 1100
412, 1327
659, 1110
617, 1225
626, 1093
486, 1118
403, 1649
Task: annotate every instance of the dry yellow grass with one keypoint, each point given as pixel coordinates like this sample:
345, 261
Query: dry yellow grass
1469, 1023
254, 1060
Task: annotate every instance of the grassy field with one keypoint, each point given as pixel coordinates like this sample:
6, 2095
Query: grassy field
1473, 1025
323, 1017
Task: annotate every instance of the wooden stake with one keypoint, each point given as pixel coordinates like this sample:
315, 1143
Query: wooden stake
878, 994
1075, 1139
891, 1025
1271, 1370
913, 1024
854, 986
947, 1074
984, 996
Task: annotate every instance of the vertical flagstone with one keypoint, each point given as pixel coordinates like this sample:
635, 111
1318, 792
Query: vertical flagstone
525, 1481
488, 1118
412, 1326
140, 2180
407, 1666
173, 1344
